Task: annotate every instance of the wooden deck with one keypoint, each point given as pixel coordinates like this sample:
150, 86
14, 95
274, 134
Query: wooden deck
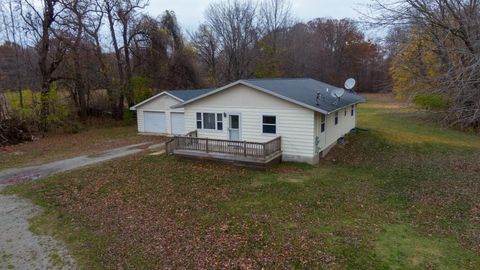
244, 153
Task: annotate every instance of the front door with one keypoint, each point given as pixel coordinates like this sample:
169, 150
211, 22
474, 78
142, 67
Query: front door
234, 127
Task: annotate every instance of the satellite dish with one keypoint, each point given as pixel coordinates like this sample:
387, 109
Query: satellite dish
350, 84
338, 93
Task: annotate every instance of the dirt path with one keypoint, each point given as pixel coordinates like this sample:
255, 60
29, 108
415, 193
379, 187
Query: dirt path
19, 247
16, 175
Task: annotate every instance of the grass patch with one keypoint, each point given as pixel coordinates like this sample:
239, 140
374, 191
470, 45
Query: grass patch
400, 247
402, 195
84, 245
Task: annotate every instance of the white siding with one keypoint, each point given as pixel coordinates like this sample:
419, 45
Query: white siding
294, 123
334, 132
160, 104
140, 122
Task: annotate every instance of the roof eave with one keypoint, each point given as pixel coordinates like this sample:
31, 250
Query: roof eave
134, 108
349, 104
254, 87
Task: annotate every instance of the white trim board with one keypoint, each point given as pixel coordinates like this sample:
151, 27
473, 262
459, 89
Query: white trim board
134, 108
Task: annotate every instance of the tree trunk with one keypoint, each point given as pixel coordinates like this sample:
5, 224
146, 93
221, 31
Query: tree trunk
46, 70
118, 111
45, 106
80, 86
128, 67
79, 82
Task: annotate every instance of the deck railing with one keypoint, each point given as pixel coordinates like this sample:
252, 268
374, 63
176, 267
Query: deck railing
191, 142
192, 134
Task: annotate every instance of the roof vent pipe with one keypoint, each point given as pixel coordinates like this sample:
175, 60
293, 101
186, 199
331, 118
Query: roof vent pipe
319, 96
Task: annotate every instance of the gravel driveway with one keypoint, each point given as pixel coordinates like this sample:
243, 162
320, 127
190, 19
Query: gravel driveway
19, 247
16, 175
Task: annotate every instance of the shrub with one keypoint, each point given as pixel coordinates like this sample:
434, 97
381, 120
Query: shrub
73, 127
59, 111
129, 117
139, 86
14, 131
431, 102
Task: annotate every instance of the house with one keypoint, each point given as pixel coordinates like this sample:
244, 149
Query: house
156, 115
262, 120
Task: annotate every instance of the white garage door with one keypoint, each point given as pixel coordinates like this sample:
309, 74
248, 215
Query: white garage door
154, 122
178, 123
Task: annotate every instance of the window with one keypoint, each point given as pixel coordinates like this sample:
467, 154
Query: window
336, 118
345, 112
219, 121
212, 121
199, 120
322, 126
208, 121
269, 124
352, 113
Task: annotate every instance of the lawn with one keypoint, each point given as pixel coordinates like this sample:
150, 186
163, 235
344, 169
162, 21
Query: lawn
402, 194
60, 146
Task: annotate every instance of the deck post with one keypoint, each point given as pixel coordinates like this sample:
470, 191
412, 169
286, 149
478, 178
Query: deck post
264, 145
245, 148
206, 145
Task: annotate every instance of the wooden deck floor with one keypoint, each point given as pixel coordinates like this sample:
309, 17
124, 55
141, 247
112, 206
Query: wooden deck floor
254, 154
248, 161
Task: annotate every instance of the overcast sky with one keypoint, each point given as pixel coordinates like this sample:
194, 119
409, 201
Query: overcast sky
191, 12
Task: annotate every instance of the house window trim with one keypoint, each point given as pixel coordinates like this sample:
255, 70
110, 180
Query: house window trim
216, 121
276, 124
219, 121
197, 121
323, 123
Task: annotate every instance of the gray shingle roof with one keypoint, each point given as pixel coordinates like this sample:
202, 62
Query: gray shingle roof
304, 90
186, 95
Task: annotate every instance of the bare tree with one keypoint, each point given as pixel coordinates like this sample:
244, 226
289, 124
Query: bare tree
74, 37
121, 14
40, 23
452, 29
235, 24
206, 45
10, 27
161, 56
275, 15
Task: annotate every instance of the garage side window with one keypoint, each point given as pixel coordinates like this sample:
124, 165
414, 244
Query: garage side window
352, 111
269, 124
336, 118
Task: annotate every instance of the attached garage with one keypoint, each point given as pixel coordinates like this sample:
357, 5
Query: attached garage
178, 123
155, 115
